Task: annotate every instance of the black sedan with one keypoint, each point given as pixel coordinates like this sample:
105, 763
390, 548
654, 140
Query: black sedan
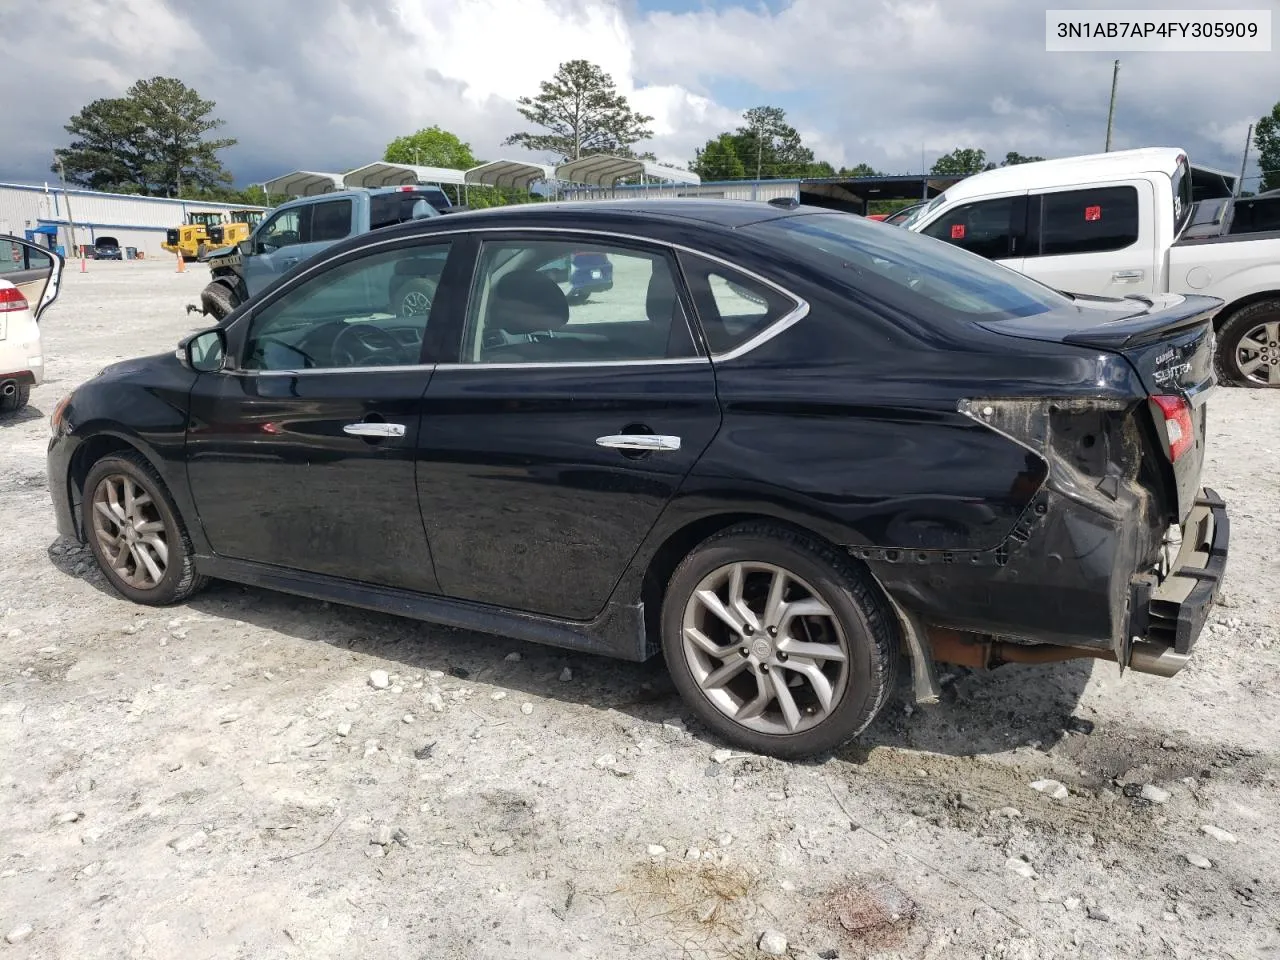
787, 449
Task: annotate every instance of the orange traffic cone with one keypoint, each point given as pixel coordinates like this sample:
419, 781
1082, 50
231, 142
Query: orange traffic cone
182, 263
83, 268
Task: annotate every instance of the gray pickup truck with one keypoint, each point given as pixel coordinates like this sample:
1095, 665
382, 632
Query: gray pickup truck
296, 231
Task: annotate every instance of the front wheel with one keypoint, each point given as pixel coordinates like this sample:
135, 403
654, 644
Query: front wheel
217, 300
135, 532
1249, 346
778, 642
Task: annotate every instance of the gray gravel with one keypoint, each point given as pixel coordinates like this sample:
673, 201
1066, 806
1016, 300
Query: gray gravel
217, 720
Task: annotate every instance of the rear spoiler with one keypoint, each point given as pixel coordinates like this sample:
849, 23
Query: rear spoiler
1149, 326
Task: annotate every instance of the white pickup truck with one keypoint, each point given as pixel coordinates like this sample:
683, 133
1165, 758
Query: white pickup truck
1124, 223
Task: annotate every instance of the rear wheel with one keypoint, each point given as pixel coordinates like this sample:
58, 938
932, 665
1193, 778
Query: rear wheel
135, 532
15, 401
777, 641
1249, 346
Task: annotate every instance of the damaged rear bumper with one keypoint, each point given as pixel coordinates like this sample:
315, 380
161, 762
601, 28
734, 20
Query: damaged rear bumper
1167, 616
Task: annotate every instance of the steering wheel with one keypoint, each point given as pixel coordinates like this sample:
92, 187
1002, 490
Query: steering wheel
360, 342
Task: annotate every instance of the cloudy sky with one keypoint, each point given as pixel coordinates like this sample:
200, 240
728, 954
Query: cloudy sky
325, 84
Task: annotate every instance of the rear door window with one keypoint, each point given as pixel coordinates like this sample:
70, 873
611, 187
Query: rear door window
1095, 220
331, 220
733, 307
987, 227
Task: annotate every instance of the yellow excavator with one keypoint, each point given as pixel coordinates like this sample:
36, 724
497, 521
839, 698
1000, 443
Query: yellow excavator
190, 240
238, 225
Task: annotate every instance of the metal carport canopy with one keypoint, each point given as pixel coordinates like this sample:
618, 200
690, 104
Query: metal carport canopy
510, 173
304, 183
603, 170
383, 174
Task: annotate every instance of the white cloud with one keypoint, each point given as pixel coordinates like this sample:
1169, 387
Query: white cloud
327, 83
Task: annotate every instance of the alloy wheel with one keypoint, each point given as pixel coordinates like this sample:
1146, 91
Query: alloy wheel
415, 304
1258, 354
765, 649
130, 531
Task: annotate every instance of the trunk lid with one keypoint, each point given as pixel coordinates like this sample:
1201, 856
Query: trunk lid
1169, 341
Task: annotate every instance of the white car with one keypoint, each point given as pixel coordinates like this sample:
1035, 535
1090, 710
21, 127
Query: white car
29, 277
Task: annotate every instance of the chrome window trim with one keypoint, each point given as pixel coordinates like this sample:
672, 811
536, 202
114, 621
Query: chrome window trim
780, 325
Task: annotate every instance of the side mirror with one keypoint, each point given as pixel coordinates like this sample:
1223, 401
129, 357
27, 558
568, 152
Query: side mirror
32, 274
205, 351
245, 247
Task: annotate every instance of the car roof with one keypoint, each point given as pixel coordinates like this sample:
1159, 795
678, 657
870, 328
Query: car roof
723, 213
1065, 171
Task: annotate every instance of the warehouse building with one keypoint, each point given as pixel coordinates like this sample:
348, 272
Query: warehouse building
55, 214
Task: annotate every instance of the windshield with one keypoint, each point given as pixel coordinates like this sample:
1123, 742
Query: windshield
922, 209
914, 273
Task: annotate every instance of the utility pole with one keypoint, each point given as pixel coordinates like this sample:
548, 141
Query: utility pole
1111, 112
62, 174
759, 148
1248, 139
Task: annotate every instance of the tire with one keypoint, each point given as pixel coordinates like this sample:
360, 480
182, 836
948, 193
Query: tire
858, 621
17, 400
413, 298
179, 579
217, 300
578, 296
1262, 318
201, 252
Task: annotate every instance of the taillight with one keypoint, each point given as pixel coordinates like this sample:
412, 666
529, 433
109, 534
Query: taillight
1177, 425
11, 299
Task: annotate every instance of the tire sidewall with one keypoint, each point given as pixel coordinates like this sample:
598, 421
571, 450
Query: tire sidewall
1232, 332
862, 699
166, 590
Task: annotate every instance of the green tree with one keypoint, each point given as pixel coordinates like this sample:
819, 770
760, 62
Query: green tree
431, 147
719, 160
1266, 135
150, 141
860, 170
580, 112
770, 148
1012, 158
961, 161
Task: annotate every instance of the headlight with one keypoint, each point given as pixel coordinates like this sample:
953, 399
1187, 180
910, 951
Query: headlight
58, 419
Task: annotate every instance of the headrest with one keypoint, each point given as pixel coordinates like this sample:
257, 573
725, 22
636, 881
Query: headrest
660, 301
525, 301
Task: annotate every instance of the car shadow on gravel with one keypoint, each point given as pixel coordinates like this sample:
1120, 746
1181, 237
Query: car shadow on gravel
980, 712
25, 415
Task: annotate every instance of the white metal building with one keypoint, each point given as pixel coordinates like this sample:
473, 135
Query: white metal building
138, 222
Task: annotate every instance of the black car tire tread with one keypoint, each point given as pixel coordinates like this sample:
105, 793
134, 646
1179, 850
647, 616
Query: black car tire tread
869, 622
1233, 328
180, 580
217, 300
17, 401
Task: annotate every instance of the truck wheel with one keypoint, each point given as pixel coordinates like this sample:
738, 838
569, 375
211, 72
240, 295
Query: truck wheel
218, 300
414, 298
15, 401
1249, 346
777, 641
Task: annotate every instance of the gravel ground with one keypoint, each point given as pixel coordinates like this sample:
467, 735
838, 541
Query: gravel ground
226, 779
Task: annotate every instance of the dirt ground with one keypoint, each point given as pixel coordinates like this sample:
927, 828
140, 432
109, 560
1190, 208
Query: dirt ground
222, 780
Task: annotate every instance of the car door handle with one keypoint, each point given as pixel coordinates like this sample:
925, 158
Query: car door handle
374, 429
1128, 276
288, 261
639, 441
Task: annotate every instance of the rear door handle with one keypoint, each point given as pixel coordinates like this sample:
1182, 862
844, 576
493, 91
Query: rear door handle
1128, 276
639, 441
288, 261
374, 429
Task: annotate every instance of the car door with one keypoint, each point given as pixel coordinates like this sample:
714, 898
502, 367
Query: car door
552, 445
1098, 240
995, 228
302, 453
277, 246
331, 221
